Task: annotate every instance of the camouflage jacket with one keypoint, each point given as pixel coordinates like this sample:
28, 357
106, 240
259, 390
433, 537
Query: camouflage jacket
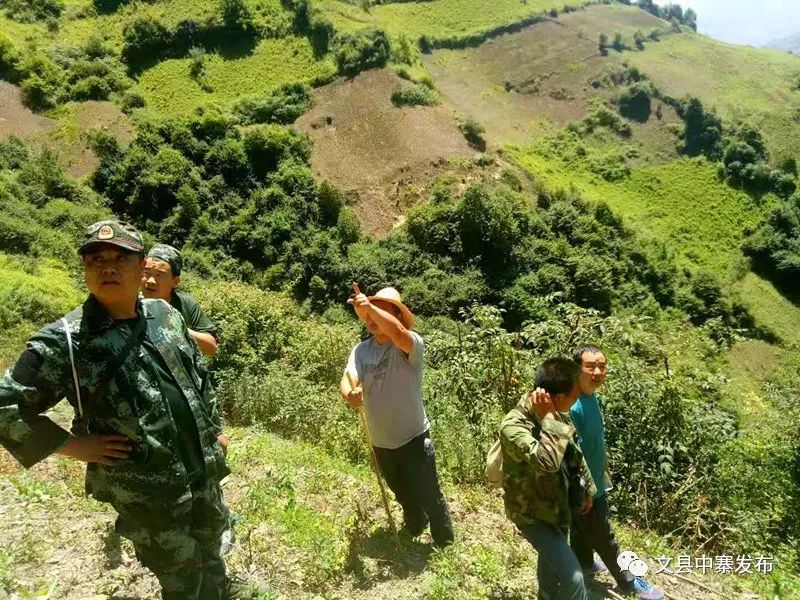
129, 403
537, 455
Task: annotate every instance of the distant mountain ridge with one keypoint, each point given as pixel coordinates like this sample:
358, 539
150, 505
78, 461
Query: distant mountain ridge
790, 43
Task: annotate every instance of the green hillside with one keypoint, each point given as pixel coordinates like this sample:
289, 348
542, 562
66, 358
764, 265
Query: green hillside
741, 83
532, 175
169, 89
436, 20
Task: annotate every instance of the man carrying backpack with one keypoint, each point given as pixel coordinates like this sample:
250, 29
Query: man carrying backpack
546, 478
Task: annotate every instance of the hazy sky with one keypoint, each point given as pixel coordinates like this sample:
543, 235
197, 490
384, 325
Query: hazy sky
752, 22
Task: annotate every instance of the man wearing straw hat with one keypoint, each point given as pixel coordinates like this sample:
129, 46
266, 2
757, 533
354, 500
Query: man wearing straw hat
387, 369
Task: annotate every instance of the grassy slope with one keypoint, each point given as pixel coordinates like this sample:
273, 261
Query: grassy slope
549, 67
443, 18
681, 202
169, 90
741, 82
311, 525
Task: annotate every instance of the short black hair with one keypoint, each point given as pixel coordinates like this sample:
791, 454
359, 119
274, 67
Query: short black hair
577, 356
557, 375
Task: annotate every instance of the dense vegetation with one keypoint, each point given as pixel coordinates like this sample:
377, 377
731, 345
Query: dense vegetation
521, 262
775, 245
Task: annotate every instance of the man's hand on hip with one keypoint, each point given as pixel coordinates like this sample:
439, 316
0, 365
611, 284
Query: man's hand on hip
223, 442
97, 448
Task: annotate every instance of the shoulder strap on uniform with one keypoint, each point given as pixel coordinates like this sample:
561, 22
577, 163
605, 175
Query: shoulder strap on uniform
74, 370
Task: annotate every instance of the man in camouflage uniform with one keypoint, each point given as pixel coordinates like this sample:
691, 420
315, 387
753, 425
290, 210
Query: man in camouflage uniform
162, 275
546, 477
147, 422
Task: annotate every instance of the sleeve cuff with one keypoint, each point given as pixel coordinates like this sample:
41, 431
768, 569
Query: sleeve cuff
46, 439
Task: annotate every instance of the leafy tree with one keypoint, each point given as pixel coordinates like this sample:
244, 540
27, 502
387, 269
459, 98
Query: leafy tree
673, 11
144, 37
618, 44
634, 101
702, 133
236, 14
650, 6
638, 39
690, 18
361, 50
789, 166
602, 44
28, 11
775, 245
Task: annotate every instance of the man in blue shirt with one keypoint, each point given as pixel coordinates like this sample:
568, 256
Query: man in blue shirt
592, 530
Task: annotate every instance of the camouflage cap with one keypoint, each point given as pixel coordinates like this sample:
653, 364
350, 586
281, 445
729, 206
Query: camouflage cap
169, 255
116, 233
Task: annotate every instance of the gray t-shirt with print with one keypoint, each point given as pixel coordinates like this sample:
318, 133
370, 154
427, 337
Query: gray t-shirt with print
392, 384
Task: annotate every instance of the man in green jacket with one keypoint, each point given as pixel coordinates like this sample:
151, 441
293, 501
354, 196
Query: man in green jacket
546, 477
162, 275
146, 422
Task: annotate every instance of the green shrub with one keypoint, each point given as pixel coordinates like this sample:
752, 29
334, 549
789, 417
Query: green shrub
28, 11
34, 293
281, 106
132, 99
418, 95
702, 132
91, 88
473, 131
634, 101
356, 52
775, 245
145, 38
236, 14
10, 59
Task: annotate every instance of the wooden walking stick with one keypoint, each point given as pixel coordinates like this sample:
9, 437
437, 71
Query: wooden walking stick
373, 458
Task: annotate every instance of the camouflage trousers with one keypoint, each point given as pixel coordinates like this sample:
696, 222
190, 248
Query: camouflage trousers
183, 551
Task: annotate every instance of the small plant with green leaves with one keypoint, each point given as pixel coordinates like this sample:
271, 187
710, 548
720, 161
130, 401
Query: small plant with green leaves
417, 95
197, 68
638, 39
473, 131
602, 44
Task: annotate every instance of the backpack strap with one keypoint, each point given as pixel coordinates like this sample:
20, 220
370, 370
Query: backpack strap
74, 369
135, 337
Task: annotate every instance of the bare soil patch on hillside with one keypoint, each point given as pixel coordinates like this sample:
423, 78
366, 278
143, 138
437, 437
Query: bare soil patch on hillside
68, 134
381, 156
81, 120
17, 119
523, 85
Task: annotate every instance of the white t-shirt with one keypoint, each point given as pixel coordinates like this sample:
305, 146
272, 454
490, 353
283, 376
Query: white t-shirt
392, 384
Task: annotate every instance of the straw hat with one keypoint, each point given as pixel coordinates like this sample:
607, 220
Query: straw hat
391, 295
